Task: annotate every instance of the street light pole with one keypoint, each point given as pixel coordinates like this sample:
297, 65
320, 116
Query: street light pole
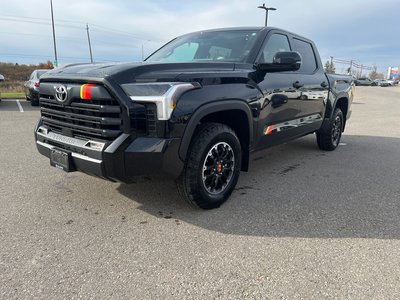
90, 45
54, 35
266, 12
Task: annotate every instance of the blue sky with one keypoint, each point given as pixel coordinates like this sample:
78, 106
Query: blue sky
363, 31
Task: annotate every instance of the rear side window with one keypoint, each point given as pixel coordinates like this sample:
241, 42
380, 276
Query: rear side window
308, 64
276, 43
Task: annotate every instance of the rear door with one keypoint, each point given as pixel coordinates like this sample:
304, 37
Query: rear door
313, 85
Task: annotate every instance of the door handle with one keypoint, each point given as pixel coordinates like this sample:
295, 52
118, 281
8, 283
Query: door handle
324, 84
297, 85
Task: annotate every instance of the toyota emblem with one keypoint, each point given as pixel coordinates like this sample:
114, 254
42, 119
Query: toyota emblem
61, 93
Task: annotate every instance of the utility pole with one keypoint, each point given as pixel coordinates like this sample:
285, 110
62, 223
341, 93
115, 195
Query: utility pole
54, 35
351, 66
362, 66
90, 46
266, 12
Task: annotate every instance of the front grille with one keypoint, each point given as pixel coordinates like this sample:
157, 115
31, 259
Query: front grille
98, 118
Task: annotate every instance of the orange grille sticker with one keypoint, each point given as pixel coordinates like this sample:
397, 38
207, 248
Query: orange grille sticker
268, 129
85, 91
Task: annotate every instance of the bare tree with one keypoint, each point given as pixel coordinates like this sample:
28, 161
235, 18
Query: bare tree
329, 67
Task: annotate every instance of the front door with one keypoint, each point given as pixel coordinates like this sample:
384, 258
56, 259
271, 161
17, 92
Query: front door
293, 102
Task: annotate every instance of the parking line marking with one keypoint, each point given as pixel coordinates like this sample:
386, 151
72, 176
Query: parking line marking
20, 106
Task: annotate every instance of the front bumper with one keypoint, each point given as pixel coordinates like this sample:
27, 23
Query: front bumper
120, 160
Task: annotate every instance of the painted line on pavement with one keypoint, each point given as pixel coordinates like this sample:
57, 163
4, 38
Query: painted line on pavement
20, 106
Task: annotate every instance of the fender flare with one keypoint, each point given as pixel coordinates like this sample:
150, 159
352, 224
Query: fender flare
331, 109
210, 108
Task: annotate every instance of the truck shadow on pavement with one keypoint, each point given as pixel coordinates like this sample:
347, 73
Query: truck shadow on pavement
296, 190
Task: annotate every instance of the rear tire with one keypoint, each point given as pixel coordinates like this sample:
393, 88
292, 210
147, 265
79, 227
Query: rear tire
328, 137
212, 166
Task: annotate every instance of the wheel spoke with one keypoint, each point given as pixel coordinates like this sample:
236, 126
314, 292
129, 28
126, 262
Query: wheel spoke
215, 182
225, 155
207, 176
216, 187
226, 172
211, 159
207, 168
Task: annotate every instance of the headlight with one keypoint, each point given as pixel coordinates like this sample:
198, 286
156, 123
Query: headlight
163, 94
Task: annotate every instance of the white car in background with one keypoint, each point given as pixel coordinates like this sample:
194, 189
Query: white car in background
382, 82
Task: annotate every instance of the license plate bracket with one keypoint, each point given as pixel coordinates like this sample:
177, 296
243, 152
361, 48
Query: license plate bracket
61, 159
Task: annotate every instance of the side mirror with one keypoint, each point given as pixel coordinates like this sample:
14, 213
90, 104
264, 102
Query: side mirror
282, 62
1, 77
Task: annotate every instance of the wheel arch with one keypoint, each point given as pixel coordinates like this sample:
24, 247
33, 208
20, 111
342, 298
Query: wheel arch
340, 100
343, 104
234, 113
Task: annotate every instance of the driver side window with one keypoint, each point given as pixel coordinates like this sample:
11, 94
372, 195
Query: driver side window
276, 43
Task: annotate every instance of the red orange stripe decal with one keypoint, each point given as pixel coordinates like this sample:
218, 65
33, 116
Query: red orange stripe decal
268, 130
85, 91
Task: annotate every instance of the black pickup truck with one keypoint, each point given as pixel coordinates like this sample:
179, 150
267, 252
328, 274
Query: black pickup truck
195, 109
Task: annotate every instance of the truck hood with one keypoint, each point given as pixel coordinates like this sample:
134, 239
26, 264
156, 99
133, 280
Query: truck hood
149, 72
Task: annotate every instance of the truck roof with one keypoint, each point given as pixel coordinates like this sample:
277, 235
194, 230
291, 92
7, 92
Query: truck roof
254, 28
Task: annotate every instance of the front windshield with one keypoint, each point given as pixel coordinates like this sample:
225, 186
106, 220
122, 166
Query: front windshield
222, 46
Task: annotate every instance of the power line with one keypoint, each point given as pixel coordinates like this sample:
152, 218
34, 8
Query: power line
47, 57
352, 64
43, 21
39, 35
37, 22
34, 35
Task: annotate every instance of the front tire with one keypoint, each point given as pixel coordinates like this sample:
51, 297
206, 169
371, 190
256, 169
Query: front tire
328, 137
212, 167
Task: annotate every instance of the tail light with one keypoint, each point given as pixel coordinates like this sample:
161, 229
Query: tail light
36, 84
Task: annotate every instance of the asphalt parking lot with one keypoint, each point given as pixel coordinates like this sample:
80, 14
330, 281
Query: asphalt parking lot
302, 224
